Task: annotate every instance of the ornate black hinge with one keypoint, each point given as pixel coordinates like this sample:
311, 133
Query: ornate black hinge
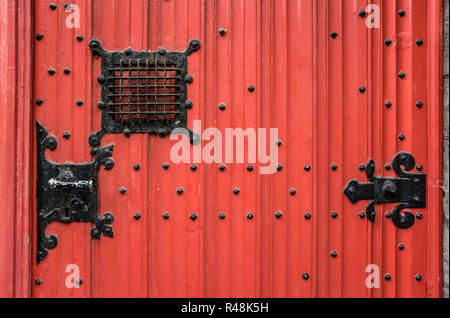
409, 189
68, 192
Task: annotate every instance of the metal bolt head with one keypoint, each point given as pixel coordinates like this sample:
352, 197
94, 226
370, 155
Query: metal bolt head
39, 102
222, 106
419, 215
222, 215
236, 191
193, 216
388, 215
334, 167
137, 216
419, 104
362, 215
362, 89
165, 166
188, 79
79, 102
419, 42
250, 216
402, 75
222, 167
418, 277
126, 132
38, 281
128, 51
79, 281
165, 215
362, 167
388, 104
305, 276
388, 42
137, 167
401, 246
307, 215
401, 137
292, 191
53, 6
333, 253
278, 214
334, 214
307, 168
101, 79
180, 191
279, 167
222, 31
122, 190
333, 34
250, 168
101, 105
362, 13
67, 70
188, 104
251, 88
387, 166
387, 276
51, 71
401, 12
419, 167
279, 142
193, 167
162, 51
80, 38
66, 135
39, 36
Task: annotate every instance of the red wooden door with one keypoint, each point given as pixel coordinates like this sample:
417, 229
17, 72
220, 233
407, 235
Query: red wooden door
327, 82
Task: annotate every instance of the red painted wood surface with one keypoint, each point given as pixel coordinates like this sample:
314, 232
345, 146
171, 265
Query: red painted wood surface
306, 86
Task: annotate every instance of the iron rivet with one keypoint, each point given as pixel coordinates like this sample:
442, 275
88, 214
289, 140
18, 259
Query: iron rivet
388, 215
362, 13
279, 167
79, 281
236, 191
251, 88
419, 42
307, 168
39, 102
222, 215
108, 164
333, 254
307, 215
165, 166
222, 106
122, 190
419, 215
39, 36
418, 277
388, 42
188, 79
419, 167
222, 31
101, 105
66, 135
419, 104
334, 34
128, 51
67, 71
80, 38
180, 191
387, 166
362, 167
305, 276
292, 191
250, 168
53, 6
51, 71
165, 215
162, 51
362, 89
334, 214
250, 216
193, 167
188, 104
334, 167
401, 13
388, 104
362, 215
127, 132
222, 167
387, 276
402, 75
37, 281
193, 216
79, 102
401, 137
279, 142
137, 216
101, 79
401, 246
137, 167
278, 214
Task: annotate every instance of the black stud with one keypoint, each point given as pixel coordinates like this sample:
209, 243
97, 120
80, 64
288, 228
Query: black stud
79, 102
401, 137
362, 167
222, 167
279, 167
333, 254
188, 79
419, 104
128, 51
334, 214
418, 277
388, 42
278, 214
180, 191
39, 36
162, 51
66, 135
419, 42
334, 167
165, 166
193, 216
38, 281
362, 89
101, 105
307, 215
402, 75
222, 31
279, 142
80, 38
362, 13
137, 216
307, 168
362, 215
419, 167
67, 71
165, 215
236, 191
126, 132
251, 88
188, 104
122, 190
137, 167
222, 106
101, 79
388, 104
387, 166
250, 216
305, 276
193, 167
401, 246
419, 215
222, 215
79, 281
250, 168
333, 34
292, 191
401, 12
388, 215
387, 276
39, 102
51, 71
53, 6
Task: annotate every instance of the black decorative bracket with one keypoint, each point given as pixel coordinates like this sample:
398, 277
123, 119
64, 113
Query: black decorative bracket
409, 189
67, 193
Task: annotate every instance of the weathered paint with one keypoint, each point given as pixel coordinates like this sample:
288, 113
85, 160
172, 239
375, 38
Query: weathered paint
306, 86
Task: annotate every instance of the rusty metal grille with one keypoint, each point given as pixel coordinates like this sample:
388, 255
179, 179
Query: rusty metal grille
144, 91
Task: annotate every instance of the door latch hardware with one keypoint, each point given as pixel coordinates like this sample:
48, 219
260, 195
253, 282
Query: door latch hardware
409, 189
67, 193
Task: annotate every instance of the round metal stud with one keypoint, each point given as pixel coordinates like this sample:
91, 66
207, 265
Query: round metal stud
418, 277
279, 142
101, 79
188, 79
333, 254
165, 215
250, 216
251, 88
362, 167
137, 167
127, 132
193, 167
180, 191
307, 215
305, 276
401, 246
388, 215
38, 281
419, 42
362, 215
279, 167
39, 36
362, 13
334, 167
188, 104
388, 42
222, 106
67, 70
387, 166
137, 216
165, 166
222, 31
333, 34
401, 12
278, 214
66, 135
236, 191
122, 190
388, 104
51, 71
162, 51
307, 168
362, 89
387, 276
53, 6
80, 38
193, 216
419, 104
402, 75
222, 167
419, 215
334, 214
222, 215
39, 102
79, 102
292, 191
401, 137
250, 168
419, 167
